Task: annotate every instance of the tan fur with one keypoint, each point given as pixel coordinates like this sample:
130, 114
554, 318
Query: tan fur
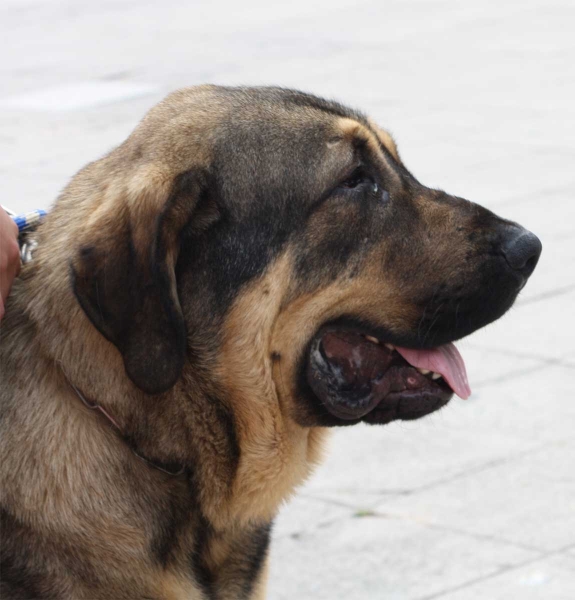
277, 455
52, 485
260, 590
356, 132
70, 478
386, 139
174, 587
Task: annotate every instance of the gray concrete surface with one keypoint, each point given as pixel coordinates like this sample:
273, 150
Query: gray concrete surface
476, 502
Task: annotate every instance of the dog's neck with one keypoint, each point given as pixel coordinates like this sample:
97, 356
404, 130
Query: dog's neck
173, 469
255, 462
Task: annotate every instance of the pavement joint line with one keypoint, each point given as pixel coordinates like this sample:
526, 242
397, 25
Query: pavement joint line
332, 502
396, 494
510, 375
296, 535
352, 506
551, 361
546, 295
497, 573
373, 513
464, 533
492, 464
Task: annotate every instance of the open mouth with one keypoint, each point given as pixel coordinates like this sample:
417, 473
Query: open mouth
356, 376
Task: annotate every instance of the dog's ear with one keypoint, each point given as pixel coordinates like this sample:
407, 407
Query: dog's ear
124, 275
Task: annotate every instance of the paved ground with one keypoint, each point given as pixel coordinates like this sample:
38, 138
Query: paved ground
477, 502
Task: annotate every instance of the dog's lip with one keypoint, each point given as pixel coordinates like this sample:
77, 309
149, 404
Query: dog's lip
355, 376
409, 405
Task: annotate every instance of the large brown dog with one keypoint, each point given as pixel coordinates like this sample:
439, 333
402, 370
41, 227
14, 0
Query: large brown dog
249, 268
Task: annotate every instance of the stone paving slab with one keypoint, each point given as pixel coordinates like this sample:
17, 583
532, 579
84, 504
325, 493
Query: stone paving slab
308, 515
505, 502
542, 329
376, 557
549, 578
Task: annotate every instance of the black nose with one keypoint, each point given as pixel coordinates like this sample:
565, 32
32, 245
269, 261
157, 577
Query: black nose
521, 249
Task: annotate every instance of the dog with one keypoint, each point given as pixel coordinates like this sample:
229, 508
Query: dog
250, 268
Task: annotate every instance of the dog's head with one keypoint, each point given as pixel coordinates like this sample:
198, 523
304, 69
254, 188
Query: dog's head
277, 242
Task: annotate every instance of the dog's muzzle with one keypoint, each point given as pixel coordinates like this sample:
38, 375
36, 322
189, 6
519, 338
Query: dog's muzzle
356, 377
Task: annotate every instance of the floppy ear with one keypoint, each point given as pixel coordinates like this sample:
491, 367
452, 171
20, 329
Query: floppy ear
124, 276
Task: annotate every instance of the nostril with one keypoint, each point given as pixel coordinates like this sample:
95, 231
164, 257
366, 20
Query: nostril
522, 250
531, 264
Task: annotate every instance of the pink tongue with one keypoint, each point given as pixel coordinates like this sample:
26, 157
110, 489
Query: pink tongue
444, 360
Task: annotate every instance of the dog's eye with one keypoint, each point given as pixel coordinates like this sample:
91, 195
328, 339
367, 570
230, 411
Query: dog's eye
361, 179
357, 178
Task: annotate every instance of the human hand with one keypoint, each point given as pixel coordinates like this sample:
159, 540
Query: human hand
9, 256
